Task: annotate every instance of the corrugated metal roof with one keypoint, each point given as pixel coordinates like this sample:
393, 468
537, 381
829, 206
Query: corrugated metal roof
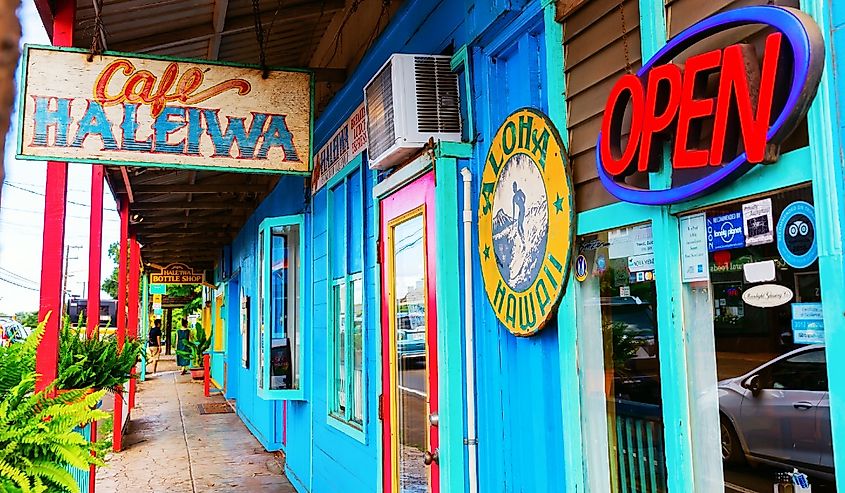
186, 215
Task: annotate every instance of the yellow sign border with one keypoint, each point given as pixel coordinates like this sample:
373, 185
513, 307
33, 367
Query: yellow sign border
530, 132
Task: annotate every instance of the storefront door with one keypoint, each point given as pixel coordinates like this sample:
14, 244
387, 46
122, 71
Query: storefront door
409, 340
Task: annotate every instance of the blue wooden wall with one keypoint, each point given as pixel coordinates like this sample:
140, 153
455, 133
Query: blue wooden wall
519, 420
519, 410
263, 418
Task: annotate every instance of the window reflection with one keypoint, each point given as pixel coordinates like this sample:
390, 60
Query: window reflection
620, 298
768, 334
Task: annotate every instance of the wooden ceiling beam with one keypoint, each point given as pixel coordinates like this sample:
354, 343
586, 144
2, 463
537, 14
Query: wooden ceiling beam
206, 205
218, 22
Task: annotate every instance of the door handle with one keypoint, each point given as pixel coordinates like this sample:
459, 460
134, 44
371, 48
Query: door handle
432, 457
802, 405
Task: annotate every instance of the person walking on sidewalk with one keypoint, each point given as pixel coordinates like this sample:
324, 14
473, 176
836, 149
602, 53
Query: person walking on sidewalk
154, 346
183, 335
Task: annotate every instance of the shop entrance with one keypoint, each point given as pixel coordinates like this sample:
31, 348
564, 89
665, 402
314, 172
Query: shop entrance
409, 340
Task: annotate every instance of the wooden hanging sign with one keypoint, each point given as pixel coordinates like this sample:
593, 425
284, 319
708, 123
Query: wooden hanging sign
140, 110
177, 274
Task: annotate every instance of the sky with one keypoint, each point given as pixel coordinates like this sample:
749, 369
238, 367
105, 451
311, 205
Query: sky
22, 213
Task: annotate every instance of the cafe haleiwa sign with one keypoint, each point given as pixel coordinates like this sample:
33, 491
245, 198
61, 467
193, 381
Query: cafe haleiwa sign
177, 274
153, 111
526, 221
720, 126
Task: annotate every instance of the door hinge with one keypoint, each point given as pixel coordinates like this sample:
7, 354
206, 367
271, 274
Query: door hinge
378, 252
381, 407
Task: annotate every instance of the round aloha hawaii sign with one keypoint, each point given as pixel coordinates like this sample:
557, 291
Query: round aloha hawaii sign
526, 221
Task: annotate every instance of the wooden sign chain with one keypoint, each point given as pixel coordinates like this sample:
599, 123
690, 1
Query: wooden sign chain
98, 39
625, 37
261, 36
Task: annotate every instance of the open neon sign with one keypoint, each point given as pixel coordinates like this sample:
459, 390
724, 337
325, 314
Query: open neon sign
753, 107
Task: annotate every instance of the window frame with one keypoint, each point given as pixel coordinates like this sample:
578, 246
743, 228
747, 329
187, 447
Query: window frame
264, 336
345, 423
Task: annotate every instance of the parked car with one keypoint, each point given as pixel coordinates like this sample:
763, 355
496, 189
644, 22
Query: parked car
12, 332
779, 414
410, 335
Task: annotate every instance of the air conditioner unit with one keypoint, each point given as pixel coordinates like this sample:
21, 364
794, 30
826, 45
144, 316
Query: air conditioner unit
411, 99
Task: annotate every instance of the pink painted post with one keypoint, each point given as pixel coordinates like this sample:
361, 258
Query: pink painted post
117, 434
95, 249
53, 244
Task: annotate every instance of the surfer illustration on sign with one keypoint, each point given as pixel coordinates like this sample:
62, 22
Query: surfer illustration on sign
519, 203
519, 239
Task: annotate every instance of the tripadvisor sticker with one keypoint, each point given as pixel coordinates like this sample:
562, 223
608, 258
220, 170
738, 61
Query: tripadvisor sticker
526, 221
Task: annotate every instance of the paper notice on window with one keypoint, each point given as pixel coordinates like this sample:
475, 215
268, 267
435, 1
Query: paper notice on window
694, 248
757, 222
630, 242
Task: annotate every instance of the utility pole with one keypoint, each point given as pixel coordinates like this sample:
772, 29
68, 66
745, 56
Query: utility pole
64, 281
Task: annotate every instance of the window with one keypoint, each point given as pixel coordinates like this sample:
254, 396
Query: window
756, 313
279, 317
346, 315
620, 361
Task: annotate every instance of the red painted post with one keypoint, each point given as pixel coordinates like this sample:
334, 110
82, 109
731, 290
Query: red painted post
206, 379
92, 473
134, 282
95, 249
53, 244
117, 434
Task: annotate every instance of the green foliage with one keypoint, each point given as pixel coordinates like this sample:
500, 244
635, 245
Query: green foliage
110, 283
621, 345
18, 360
38, 440
96, 362
27, 319
197, 345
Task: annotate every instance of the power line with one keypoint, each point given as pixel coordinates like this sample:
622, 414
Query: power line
16, 276
16, 284
42, 195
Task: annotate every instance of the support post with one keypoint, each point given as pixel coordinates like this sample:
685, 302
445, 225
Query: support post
145, 321
206, 379
53, 244
117, 434
95, 251
132, 311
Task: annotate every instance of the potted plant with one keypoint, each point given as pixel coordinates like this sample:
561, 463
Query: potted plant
197, 345
39, 444
96, 362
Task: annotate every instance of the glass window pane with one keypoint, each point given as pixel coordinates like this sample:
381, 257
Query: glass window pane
358, 350
620, 302
284, 307
764, 307
340, 349
411, 375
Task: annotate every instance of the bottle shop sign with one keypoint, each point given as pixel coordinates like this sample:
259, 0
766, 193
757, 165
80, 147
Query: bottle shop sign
721, 113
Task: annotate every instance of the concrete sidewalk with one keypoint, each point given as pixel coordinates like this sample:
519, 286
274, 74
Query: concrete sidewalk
172, 448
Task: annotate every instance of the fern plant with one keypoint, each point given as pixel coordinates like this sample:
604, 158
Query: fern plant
18, 360
38, 441
94, 362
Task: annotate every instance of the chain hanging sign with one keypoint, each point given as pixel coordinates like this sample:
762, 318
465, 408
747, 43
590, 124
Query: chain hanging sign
721, 126
129, 109
526, 221
177, 274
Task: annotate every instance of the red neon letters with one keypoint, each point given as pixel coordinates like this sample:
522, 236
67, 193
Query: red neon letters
670, 97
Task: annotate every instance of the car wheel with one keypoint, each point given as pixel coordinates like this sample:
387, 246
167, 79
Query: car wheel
731, 448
